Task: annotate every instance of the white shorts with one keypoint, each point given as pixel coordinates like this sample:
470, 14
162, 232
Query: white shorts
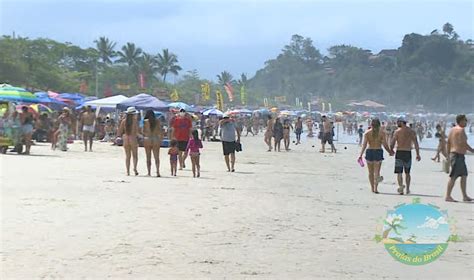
88, 128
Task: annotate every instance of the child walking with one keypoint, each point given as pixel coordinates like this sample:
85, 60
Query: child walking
173, 152
194, 144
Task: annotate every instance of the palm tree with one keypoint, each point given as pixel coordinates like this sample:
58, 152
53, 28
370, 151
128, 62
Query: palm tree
105, 47
167, 63
243, 80
147, 65
224, 78
130, 54
393, 223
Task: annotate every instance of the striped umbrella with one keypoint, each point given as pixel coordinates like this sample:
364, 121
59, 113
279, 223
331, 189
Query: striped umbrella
16, 94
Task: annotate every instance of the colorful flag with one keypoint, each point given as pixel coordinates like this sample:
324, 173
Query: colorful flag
174, 96
141, 80
206, 91
219, 100
230, 91
243, 95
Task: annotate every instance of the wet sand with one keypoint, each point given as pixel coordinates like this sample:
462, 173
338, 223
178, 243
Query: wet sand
288, 215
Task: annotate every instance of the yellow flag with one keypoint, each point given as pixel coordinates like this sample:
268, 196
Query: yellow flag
219, 100
243, 95
174, 96
206, 91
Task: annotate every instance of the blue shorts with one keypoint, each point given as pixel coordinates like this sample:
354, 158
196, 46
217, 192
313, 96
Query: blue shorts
27, 128
373, 155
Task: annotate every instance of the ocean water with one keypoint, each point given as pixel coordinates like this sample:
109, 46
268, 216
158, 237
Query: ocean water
416, 249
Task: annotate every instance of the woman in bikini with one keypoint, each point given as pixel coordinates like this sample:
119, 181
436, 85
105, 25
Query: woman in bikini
286, 133
128, 129
152, 140
374, 138
269, 133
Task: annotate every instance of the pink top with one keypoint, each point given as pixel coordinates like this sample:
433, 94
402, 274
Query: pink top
194, 146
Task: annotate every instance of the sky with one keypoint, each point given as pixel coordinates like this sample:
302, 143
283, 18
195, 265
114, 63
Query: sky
237, 36
425, 222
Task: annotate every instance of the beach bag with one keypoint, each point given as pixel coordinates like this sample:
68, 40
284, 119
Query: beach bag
445, 166
238, 147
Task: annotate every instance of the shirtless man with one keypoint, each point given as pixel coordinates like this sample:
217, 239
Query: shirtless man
457, 148
269, 133
326, 135
88, 127
405, 138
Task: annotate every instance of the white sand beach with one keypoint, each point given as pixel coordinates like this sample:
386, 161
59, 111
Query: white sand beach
288, 215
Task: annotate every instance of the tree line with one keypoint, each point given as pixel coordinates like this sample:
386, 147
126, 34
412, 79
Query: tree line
434, 70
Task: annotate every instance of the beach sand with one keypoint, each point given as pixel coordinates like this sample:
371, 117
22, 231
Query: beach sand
288, 215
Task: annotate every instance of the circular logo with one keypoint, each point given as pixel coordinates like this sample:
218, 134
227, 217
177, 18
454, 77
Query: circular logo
416, 233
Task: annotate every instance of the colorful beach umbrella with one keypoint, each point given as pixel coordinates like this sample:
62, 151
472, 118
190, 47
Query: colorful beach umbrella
180, 105
213, 111
16, 94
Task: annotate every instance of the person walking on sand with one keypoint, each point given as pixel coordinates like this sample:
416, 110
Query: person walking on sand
61, 135
173, 153
87, 122
182, 126
128, 129
269, 133
230, 136
277, 134
374, 138
194, 144
287, 127
326, 133
298, 130
404, 138
441, 144
26, 120
152, 136
360, 132
457, 148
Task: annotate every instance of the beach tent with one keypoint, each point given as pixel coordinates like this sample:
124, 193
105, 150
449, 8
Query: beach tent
143, 101
107, 102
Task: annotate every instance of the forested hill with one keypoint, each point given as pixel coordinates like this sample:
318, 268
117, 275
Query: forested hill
435, 70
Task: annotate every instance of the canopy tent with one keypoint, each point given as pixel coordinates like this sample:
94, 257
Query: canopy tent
213, 111
16, 94
143, 101
368, 104
107, 102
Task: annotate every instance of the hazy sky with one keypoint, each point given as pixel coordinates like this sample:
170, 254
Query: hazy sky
237, 36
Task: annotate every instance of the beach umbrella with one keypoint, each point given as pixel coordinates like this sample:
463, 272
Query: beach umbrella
213, 111
180, 105
274, 109
287, 113
16, 94
52, 103
36, 108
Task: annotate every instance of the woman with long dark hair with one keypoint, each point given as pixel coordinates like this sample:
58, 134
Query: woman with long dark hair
152, 140
374, 138
128, 129
277, 134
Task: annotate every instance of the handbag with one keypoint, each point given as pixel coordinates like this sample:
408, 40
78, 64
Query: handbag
238, 147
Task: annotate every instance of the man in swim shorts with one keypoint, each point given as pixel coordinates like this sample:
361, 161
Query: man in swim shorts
88, 127
457, 148
405, 138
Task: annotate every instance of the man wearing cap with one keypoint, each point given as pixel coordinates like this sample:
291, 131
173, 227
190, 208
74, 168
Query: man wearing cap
457, 148
182, 126
405, 138
229, 131
88, 129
